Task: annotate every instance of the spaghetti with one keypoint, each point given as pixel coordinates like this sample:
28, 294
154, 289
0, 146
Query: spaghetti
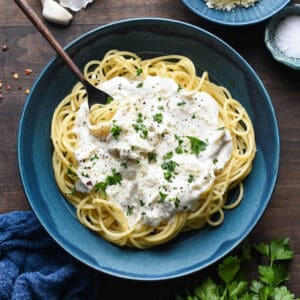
103, 215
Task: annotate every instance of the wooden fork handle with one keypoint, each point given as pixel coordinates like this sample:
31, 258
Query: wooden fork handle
38, 23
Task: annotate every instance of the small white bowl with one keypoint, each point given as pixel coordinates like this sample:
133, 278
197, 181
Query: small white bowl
270, 36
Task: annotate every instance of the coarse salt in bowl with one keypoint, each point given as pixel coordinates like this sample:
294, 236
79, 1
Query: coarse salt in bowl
282, 36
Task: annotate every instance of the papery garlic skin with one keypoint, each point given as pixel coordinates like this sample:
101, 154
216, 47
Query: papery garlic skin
75, 5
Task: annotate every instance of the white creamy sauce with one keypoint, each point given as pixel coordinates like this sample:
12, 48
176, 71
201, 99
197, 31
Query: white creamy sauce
164, 148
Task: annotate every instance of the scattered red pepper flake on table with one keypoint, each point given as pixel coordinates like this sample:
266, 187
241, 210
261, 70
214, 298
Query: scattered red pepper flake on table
27, 71
8, 87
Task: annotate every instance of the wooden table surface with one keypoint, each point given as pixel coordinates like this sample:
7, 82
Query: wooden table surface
28, 50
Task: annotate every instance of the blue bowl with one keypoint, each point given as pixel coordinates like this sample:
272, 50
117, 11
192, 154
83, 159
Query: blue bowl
190, 251
277, 54
239, 16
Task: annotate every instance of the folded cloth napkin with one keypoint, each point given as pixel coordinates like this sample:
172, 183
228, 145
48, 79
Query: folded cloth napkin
33, 266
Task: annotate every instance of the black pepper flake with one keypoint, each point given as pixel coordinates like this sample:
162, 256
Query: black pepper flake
5, 48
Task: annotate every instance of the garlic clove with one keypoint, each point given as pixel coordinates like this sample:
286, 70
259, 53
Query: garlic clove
75, 5
55, 13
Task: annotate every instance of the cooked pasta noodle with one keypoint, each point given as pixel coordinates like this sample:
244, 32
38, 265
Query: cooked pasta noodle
103, 215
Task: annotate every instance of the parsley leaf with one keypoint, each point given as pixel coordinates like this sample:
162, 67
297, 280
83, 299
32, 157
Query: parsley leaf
116, 131
236, 289
142, 129
208, 290
139, 71
169, 155
191, 178
115, 178
158, 118
109, 99
282, 293
279, 250
197, 145
101, 187
152, 157
162, 197
274, 275
229, 268
169, 165
181, 103
129, 210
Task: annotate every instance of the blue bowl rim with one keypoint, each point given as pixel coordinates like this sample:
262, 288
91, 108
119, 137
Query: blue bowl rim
245, 23
293, 63
195, 267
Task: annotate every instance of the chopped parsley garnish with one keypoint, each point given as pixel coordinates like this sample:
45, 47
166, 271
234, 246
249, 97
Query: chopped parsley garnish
69, 171
140, 118
169, 155
109, 99
86, 175
139, 85
176, 201
152, 157
193, 116
139, 71
169, 165
159, 98
191, 178
215, 160
179, 87
197, 145
101, 187
168, 175
71, 192
115, 131
142, 203
181, 103
142, 129
179, 149
221, 128
158, 118
124, 164
113, 179
129, 210
160, 107
162, 197
94, 157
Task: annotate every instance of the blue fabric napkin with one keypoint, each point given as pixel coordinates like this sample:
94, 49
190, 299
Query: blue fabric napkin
33, 266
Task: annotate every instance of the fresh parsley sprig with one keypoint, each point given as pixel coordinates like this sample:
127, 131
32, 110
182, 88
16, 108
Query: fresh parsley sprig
232, 283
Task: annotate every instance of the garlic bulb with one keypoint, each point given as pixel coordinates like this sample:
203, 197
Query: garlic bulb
55, 13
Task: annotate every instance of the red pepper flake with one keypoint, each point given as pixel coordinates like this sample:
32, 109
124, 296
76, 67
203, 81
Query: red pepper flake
19, 88
27, 71
0, 85
27, 91
8, 87
1, 97
5, 48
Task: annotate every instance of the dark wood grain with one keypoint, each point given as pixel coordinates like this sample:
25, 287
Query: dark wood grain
27, 49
